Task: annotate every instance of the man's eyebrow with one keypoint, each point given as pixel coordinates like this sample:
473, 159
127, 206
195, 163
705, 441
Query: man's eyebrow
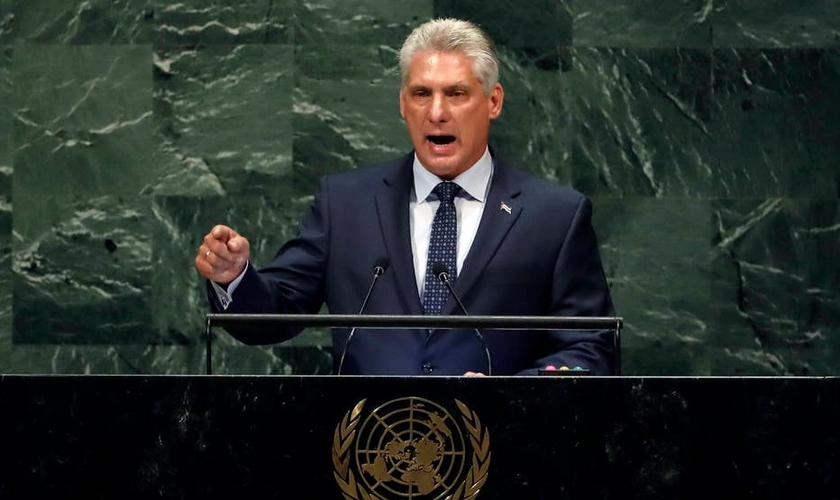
448, 88
456, 86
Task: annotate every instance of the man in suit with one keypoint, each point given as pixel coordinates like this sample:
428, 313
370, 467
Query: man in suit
511, 244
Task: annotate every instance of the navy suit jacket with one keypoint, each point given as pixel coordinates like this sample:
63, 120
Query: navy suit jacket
540, 259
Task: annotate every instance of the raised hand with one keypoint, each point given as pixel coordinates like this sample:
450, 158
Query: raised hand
223, 255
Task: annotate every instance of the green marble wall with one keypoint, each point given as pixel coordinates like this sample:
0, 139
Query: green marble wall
707, 133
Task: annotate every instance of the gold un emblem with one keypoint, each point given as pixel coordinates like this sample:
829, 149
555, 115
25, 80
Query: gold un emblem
410, 448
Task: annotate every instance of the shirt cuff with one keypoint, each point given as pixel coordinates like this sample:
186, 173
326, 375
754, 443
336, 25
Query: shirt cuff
226, 296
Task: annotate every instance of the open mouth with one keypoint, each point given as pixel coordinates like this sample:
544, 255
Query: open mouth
441, 140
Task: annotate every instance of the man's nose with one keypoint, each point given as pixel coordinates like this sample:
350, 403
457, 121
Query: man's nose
439, 111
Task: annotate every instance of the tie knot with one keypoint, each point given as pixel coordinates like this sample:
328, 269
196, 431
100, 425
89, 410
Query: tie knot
446, 191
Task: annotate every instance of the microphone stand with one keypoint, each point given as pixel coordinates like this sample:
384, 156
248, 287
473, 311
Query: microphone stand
378, 270
443, 274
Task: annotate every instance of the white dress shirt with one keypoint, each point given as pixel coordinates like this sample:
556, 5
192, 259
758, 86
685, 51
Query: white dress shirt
469, 205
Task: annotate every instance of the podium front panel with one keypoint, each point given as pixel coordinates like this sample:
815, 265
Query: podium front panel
420, 438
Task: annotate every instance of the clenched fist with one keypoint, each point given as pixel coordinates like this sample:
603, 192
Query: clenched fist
223, 255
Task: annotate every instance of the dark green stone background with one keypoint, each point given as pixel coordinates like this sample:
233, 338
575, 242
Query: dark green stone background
707, 133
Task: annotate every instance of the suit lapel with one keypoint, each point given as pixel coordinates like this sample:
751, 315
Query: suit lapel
392, 205
500, 213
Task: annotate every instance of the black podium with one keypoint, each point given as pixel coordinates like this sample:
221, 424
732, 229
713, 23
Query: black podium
326, 437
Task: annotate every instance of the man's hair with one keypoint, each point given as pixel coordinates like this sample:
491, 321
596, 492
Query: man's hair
454, 35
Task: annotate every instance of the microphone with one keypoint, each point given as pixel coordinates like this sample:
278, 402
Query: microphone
378, 269
442, 273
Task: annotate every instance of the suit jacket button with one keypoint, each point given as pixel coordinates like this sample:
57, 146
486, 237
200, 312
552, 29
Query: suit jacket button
428, 368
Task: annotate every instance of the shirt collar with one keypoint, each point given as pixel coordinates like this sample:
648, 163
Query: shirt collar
473, 181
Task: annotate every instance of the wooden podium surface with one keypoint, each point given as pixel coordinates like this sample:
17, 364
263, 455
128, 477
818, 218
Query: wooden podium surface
324, 437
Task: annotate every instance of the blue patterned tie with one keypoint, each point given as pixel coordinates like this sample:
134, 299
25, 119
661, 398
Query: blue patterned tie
442, 248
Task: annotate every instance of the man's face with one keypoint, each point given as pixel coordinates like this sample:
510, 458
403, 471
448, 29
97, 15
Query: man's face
446, 112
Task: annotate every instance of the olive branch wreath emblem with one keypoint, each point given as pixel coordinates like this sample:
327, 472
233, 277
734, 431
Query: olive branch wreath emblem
345, 434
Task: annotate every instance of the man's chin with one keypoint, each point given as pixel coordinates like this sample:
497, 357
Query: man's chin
446, 168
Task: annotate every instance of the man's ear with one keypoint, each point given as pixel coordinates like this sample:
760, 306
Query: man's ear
497, 98
402, 110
